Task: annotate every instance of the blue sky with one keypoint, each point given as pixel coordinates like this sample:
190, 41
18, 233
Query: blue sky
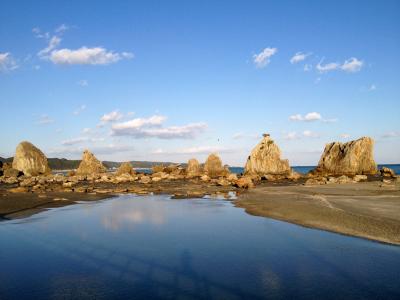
158, 80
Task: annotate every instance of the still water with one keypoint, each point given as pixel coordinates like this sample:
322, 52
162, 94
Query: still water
154, 247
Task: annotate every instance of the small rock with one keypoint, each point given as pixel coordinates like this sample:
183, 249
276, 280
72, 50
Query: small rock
244, 182
387, 172
359, 178
19, 189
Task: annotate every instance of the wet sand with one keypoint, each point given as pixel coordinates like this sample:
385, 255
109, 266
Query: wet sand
358, 209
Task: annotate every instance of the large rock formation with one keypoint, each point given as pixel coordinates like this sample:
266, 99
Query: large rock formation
90, 165
354, 157
125, 168
193, 168
213, 166
265, 159
30, 160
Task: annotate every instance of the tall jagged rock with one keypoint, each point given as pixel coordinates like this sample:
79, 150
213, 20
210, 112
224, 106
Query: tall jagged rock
213, 166
125, 168
30, 160
265, 159
193, 168
351, 158
90, 165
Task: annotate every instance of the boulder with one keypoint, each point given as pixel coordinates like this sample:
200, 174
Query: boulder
244, 182
352, 158
30, 160
387, 172
90, 165
125, 168
193, 168
316, 181
265, 159
359, 178
344, 179
213, 166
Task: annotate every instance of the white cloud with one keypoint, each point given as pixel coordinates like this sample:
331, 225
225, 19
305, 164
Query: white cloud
311, 116
298, 57
83, 82
7, 62
86, 130
111, 117
44, 119
152, 128
333, 120
262, 59
345, 135
352, 65
327, 67
87, 56
79, 110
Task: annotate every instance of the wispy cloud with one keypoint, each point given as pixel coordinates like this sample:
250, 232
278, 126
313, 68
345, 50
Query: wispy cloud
67, 150
87, 56
81, 139
196, 150
350, 65
391, 134
83, 82
345, 135
44, 119
262, 59
305, 134
242, 135
79, 110
112, 117
152, 127
298, 57
7, 62
311, 117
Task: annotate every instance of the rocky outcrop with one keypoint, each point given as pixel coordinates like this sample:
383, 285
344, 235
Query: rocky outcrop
193, 168
213, 166
125, 168
387, 172
265, 159
30, 160
352, 158
90, 165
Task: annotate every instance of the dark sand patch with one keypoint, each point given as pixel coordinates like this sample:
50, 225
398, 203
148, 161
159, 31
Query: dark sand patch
363, 209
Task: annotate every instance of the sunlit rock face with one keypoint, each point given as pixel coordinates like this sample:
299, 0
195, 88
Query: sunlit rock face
354, 157
125, 168
193, 168
90, 165
265, 159
30, 160
213, 166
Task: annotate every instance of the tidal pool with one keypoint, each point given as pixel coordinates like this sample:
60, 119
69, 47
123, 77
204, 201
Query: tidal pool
154, 247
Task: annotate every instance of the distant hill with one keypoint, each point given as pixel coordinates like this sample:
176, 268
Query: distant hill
68, 164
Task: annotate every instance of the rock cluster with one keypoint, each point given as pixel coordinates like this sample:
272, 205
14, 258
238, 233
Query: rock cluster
265, 159
355, 157
90, 165
125, 168
30, 160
